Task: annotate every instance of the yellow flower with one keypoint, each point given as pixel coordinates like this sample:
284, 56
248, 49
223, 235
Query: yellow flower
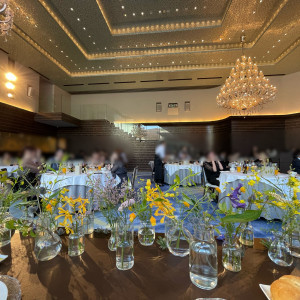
242, 189
242, 201
172, 195
49, 208
132, 217
64, 170
148, 182
50, 182
153, 221
251, 182
186, 204
218, 190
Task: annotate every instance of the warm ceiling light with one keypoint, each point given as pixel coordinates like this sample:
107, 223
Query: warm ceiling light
10, 76
10, 95
10, 85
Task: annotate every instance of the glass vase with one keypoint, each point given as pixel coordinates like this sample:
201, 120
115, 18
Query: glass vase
203, 258
88, 223
295, 242
146, 234
112, 239
5, 236
178, 238
47, 245
124, 244
76, 243
231, 254
5, 233
247, 235
279, 251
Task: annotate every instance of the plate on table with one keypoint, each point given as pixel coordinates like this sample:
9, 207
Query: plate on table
266, 289
2, 257
3, 291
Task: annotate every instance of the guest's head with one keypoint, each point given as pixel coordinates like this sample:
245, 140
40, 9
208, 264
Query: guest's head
59, 154
114, 157
29, 153
297, 154
211, 156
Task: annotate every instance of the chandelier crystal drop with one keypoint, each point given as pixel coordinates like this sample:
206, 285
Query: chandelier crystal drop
246, 89
6, 18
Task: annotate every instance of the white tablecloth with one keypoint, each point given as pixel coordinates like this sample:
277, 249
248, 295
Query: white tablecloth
266, 183
78, 185
171, 170
10, 169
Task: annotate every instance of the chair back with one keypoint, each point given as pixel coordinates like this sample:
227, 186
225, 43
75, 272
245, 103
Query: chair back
151, 164
134, 175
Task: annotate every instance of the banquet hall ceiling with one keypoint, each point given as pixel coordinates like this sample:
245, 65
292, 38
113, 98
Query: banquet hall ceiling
114, 45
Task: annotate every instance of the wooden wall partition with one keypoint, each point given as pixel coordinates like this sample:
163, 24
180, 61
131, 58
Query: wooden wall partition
234, 134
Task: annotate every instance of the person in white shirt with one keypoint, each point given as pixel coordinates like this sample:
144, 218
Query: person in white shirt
160, 154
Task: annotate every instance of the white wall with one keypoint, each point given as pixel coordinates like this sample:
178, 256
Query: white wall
140, 106
46, 97
25, 77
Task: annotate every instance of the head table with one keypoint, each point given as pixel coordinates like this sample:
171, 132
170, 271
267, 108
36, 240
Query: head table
171, 170
156, 274
229, 180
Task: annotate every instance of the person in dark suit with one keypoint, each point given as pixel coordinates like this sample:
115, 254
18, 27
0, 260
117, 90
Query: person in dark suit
118, 167
212, 167
160, 155
296, 162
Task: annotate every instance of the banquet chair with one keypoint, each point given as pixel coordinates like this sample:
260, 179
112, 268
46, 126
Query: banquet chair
134, 175
151, 164
207, 184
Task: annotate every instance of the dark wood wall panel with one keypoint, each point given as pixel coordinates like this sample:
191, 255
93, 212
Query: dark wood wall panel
16, 120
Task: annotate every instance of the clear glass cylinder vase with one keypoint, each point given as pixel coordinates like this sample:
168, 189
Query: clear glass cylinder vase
231, 254
146, 234
178, 238
5, 233
76, 243
295, 242
112, 239
124, 245
203, 261
247, 235
88, 223
279, 251
5, 236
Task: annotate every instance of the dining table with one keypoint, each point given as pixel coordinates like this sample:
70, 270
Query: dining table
183, 171
156, 274
11, 170
76, 184
231, 179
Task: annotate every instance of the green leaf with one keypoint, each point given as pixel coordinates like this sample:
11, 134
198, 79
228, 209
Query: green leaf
32, 234
177, 179
247, 216
10, 224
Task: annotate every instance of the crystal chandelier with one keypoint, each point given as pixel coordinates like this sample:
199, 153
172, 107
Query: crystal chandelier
6, 17
246, 89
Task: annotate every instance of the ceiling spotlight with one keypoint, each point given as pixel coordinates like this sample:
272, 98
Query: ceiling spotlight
177, 9
10, 76
72, 9
142, 13
9, 85
123, 7
133, 14
84, 28
10, 95
195, 8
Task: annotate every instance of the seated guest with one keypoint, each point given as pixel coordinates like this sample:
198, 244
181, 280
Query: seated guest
118, 167
296, 162
212, 168
160, 155
57, 159
184, 154
30, 160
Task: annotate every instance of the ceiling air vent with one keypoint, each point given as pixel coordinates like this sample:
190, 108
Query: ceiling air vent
154, 80
118, 82
74, 84
180, 79
98, 83
201, 78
